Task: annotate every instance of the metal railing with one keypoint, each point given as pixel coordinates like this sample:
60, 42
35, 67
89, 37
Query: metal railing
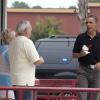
50, 92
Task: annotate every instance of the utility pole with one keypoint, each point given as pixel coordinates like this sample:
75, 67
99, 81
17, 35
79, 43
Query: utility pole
3, 15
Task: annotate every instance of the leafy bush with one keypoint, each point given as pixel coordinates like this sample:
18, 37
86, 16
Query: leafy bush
45, 28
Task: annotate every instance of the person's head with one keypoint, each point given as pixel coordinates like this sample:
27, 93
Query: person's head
7, 35
24, 28
91, 22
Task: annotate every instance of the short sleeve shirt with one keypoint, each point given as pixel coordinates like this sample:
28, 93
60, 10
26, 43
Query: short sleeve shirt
22, 54
94, 48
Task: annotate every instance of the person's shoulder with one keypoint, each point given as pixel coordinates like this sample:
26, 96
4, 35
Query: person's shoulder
98, 34
22, 38
81, 35
26, 40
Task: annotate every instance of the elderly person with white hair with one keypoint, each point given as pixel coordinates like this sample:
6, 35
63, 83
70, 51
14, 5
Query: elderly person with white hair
23, 58
5, 78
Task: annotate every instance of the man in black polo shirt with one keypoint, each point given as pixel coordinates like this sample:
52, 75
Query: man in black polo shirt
87, 50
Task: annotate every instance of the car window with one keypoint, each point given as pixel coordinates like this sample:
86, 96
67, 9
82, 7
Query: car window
56, 52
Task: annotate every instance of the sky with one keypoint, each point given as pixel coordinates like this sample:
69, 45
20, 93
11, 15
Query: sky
46, 3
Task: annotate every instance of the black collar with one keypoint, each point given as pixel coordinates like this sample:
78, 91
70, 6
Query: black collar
97, 35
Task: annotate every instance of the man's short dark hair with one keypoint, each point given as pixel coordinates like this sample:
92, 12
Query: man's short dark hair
94, 17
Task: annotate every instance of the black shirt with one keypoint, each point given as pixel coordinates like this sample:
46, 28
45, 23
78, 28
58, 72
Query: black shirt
94, 48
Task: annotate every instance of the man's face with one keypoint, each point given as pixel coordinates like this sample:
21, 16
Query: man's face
91, 24
29, 31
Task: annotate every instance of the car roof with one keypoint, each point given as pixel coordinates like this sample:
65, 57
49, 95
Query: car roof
57, 38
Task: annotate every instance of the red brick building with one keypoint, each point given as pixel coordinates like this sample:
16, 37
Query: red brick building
70, 23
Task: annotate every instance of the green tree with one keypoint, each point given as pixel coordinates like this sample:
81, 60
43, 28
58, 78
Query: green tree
53, 26
45, 28
18, 4
95, 1
72, 7
37, 7
38, 30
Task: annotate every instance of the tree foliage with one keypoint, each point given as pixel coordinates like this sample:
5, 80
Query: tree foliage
94, 1
37, 7
18, 4
45, 28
